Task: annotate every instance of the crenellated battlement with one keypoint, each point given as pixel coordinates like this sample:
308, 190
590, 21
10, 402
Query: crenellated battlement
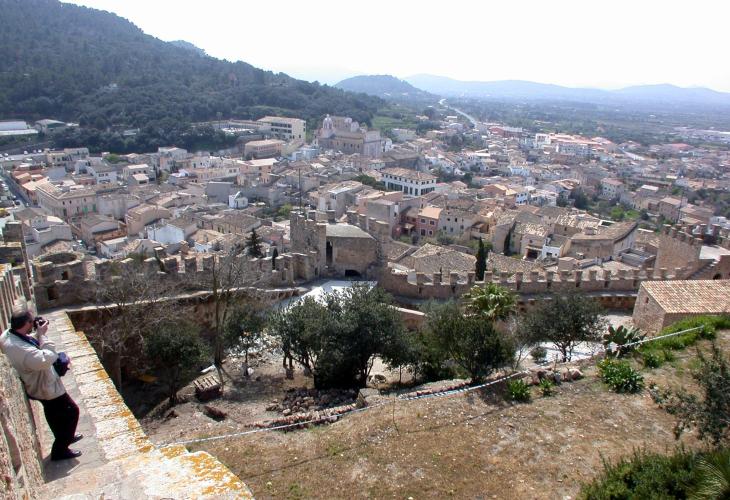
376, 228
452, 285
62, 279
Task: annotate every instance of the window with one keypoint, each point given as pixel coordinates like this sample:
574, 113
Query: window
433, 223
423, 221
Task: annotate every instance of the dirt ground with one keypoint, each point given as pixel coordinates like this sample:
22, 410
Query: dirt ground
463, 446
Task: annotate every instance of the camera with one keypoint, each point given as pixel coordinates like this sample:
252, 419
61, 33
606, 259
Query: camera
39, 321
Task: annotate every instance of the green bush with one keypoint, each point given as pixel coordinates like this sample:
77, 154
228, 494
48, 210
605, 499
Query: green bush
646, 475
518, 390
538, 354
652, 359
547, 387
620, 377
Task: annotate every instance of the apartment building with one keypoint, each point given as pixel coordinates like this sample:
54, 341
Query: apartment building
268, 148
611, 189
286, 129
409, 181
66, 202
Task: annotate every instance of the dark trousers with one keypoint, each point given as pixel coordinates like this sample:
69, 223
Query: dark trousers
62, 415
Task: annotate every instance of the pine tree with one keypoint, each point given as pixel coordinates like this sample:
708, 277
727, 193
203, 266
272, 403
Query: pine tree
274, 255
481, 264
253, 245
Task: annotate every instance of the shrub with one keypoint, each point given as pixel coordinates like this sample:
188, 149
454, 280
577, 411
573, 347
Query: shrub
646, 475
711, 413
652, 359
518, 390
620, 377
539, 354
668, 355
547, 387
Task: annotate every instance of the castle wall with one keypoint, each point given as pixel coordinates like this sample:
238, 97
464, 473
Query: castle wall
678, 249
63, 280
20, 452
615, 290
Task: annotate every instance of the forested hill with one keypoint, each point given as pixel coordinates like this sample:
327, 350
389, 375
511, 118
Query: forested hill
385, 86
74, 63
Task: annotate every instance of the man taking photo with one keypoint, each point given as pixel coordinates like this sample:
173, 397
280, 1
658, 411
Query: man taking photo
33, 356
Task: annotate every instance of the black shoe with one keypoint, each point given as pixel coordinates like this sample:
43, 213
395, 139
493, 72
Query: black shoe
77, 437
66, 455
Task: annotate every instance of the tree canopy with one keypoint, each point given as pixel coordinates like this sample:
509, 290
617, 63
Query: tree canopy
565, 321
338, 338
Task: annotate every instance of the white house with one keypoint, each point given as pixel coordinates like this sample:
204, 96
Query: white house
171, 232
237, 200
103, 174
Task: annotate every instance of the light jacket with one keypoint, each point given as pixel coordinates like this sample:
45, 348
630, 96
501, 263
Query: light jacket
34, 365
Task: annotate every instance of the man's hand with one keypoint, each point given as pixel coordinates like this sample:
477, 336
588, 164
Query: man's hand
42, 329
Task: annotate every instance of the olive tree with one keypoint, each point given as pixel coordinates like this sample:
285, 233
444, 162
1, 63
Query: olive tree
175, 351
564, 321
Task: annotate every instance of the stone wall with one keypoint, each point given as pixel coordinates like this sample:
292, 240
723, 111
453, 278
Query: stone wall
63, 280
20, 455
21, 474
678, 249
438, 286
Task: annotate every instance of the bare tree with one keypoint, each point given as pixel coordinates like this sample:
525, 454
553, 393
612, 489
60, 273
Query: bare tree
230, 279
133, 302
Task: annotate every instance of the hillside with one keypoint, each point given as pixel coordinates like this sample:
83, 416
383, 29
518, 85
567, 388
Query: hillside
520, 89
74, 63
385, 86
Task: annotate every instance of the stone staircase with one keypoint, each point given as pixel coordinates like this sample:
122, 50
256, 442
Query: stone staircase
119, 460
706, 271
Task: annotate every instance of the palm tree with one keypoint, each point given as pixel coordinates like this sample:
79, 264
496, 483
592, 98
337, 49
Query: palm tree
491, 301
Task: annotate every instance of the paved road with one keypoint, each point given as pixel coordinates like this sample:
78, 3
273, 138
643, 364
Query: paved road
473, 121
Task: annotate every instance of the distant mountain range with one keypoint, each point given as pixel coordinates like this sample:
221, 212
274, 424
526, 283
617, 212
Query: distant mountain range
520, 89
385, 86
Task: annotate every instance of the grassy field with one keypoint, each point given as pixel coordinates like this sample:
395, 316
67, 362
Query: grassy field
465, 446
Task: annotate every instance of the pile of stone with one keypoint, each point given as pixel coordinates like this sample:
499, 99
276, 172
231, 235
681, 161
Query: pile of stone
566, 374
329, 415
436, 390
309, 400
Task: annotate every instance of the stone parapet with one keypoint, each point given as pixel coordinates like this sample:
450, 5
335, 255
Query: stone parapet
132, 466
432, 286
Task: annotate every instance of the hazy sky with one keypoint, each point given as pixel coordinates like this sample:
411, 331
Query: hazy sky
606, 44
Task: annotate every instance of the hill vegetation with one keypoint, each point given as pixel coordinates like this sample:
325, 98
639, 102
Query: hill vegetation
385, 86
78, 64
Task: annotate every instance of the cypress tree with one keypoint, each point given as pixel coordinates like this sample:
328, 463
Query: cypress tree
253, 245
481, 264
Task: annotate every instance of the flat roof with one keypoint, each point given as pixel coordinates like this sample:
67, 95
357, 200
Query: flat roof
346, 231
